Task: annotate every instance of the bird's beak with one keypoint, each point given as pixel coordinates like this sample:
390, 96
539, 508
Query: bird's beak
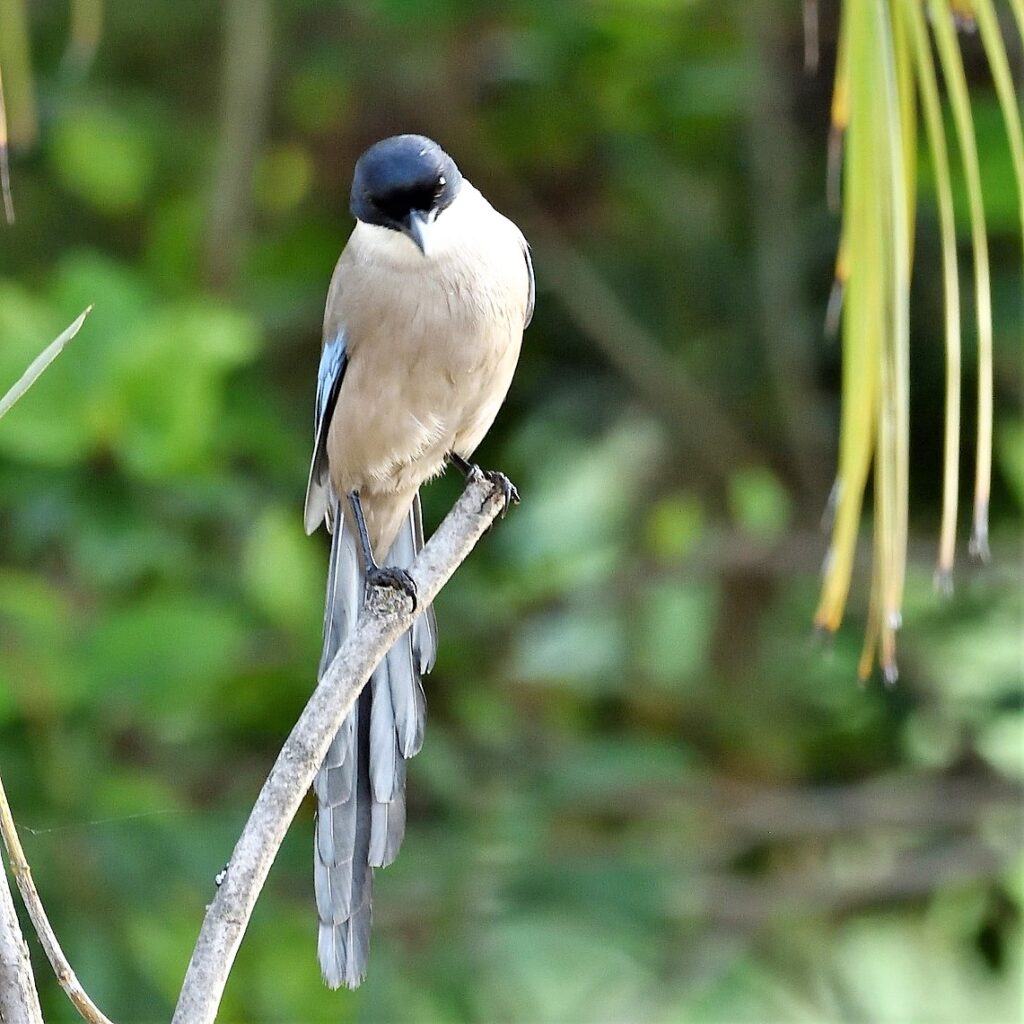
417, 227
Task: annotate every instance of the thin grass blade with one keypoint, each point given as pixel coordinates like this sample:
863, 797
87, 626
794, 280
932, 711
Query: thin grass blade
931, 107
956, 85
40, 363
860, 319
894, 431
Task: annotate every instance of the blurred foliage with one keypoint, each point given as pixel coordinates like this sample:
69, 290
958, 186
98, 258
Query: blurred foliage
645, 793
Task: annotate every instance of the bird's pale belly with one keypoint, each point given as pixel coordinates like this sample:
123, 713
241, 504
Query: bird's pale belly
394, 424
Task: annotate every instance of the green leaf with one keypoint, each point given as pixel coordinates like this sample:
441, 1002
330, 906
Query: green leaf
103, 157
165, 652
36, 669
674, 526
557, 970
580, 501
675, 623
758, 503
1002, 744
283, 570
1010, 447
583, 648
169, 381
283, 178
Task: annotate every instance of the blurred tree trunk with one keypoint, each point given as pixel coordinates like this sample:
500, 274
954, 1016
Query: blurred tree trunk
248, 35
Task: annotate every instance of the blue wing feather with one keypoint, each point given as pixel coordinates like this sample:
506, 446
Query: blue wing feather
333, 360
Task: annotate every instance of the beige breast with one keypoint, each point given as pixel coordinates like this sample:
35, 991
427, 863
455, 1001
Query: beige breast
432, 342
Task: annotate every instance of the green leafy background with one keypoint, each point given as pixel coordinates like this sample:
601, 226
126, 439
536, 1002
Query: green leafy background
646, 792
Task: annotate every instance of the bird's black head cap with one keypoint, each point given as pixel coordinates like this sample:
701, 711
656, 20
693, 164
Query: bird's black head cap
402, 176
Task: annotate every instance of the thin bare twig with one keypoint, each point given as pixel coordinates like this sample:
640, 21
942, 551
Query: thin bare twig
40, 363
88, 1010
5, 168
385, 619
19, 1001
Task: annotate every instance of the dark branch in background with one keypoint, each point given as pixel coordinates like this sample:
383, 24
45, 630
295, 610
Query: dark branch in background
796, 892
754, 815
385, 619
16, 60
773, 149
248, 32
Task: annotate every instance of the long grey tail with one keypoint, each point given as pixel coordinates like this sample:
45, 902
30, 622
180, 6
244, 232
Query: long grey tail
360, 788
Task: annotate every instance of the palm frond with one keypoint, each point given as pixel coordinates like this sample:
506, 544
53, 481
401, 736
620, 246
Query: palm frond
885, 69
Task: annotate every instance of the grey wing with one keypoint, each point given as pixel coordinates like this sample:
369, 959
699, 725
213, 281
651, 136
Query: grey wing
333, 360
532, 294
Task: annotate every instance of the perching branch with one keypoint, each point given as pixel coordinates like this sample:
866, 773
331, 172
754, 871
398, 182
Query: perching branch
23, 876
19, 1002
385, 619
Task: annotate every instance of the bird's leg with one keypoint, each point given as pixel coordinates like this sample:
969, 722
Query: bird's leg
471, 471
376, 575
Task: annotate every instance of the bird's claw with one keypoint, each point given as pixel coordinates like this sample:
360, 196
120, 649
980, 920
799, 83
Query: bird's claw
395, 578
472, 472
509, 494
500, 483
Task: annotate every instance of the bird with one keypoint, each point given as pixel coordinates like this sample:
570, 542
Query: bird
422, 331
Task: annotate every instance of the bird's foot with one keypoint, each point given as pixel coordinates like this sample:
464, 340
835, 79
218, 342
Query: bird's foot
472, 472
395, 578
500, 483
509, 494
